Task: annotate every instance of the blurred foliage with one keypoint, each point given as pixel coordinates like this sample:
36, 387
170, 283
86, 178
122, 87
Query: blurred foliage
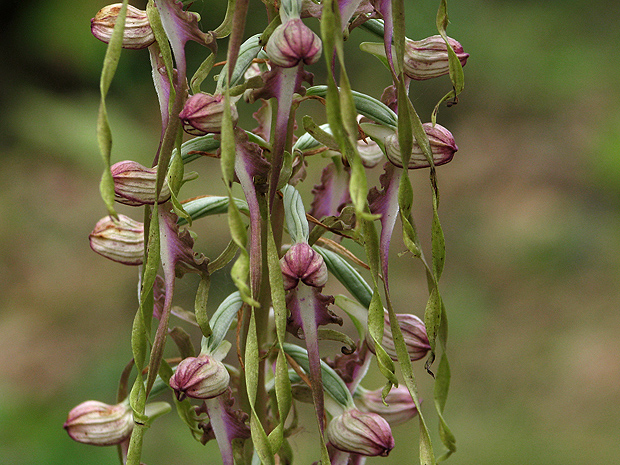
529, 206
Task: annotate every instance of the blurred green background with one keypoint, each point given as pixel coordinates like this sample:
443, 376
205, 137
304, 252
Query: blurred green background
530, 208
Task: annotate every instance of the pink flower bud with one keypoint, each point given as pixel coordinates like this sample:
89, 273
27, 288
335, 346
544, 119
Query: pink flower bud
99, 424
120, 240
134, 184
201, 377
203, 114
360, 433
137, 34
302, 262
399, 409
414, 334
443, 148
293, 42
428, 58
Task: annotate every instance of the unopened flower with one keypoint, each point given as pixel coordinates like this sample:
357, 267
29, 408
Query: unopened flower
100, 424
201, 377
203, 114
360, 433
370, 152
137, 34
428, 58
120, 240
134, 184
414, 334
443, 148
399, 409
293, 42
302, 262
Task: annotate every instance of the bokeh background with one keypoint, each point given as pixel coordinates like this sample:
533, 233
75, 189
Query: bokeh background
530, 208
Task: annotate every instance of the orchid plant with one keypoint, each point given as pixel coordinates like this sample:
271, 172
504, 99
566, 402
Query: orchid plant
283, 252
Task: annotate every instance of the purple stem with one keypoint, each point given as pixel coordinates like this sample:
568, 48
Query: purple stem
306, 296
245, 170
216, 411
284, 97
386, 203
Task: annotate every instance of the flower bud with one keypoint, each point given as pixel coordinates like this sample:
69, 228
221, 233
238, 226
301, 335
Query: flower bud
203, 114
442, 144
134, 184
99, 424
360, 433
428, 58
293, 42
201, 377
302, 262
370, 152
137, 34
399, 409
414, 334
120, 240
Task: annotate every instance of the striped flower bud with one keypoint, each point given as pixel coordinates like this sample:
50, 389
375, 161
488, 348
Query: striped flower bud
120, 240
293, 42
100, 424
399, 409
201, 377
414, 334
428, 58
302, 262
134, 184
203, 114
137, 34
360, 433
443, 148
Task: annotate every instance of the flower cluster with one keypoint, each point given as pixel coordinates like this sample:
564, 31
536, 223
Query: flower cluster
296, 270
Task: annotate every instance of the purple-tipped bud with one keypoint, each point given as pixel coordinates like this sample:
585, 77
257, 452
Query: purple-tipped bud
360, 433
134, 184
428, 58
302, 262
293, 42
400, 408
99, 424
443, 148
120, 240
203, 114
201, 377
414, 334
137, 34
